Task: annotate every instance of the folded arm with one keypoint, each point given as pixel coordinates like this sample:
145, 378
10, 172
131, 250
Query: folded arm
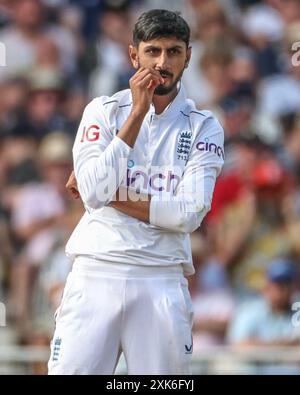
100, 158
185, 210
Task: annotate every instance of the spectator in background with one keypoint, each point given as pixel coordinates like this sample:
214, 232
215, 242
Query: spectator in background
268, 320
13, 95
114, 67
285, 86
45, 96
21, 39
246, 240
215, 64
212, 298
243, 151
39, 229
289, 151
263, 28
212, 27
6, 253
289, 10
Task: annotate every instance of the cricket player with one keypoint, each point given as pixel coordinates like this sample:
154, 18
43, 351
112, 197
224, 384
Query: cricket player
146, 162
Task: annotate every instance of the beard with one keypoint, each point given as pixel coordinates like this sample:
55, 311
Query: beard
162, 90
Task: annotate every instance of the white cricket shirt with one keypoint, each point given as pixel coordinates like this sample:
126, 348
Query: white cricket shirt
176, 158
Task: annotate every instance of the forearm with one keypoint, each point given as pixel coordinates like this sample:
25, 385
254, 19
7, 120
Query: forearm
139, 206
130, 130
133, 204
100, 175
99, 178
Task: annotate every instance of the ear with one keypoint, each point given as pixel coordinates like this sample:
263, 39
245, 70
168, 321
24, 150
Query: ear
133, 53
188, 56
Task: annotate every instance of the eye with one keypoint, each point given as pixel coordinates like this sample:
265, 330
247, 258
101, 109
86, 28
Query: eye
174, 51
152, 51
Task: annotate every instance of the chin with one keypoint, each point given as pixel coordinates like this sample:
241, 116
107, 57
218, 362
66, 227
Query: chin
162, 90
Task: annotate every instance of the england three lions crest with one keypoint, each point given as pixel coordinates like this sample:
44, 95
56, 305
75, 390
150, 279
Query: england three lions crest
184, 144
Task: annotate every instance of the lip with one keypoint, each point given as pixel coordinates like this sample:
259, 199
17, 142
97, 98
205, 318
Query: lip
165, 78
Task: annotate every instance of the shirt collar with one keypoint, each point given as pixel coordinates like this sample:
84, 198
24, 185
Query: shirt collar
177, 104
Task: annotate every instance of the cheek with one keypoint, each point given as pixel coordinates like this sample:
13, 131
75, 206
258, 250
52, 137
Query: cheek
179, 69
145, 62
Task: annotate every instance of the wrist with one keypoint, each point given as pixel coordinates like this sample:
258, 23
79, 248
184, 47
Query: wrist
138, 113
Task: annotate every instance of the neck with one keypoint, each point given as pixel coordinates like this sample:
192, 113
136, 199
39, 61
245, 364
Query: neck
161, 102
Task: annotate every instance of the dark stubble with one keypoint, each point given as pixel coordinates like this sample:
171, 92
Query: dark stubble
162, 90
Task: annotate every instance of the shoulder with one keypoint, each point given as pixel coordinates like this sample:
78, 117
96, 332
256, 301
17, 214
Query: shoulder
110, 104
203, 121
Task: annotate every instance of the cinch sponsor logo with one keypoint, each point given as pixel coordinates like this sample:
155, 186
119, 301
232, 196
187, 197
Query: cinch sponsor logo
211, 147
157, 181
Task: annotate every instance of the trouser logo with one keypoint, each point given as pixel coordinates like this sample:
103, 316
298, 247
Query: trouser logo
189, 349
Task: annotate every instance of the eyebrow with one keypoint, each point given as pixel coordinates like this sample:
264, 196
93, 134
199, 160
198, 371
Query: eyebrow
151, 46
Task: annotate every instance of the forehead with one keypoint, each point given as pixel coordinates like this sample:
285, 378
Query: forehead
164, 42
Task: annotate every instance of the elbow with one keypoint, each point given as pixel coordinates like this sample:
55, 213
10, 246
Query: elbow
92, 203
89, 191
188, 222
177, 215
90, 198
190, 226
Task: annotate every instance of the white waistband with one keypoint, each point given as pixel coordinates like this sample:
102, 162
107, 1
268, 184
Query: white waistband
87, 265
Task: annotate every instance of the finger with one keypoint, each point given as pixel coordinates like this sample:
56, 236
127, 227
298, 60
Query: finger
140, 76
157, 73
153, 84
146, 80
136, 75
149, 71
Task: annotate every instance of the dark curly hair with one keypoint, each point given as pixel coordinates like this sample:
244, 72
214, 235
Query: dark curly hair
158, 24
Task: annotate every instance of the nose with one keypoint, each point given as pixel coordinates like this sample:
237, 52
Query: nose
162, 61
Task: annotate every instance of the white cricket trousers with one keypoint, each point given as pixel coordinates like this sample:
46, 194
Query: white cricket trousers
107, 308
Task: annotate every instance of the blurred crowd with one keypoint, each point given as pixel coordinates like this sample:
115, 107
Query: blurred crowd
245, 68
